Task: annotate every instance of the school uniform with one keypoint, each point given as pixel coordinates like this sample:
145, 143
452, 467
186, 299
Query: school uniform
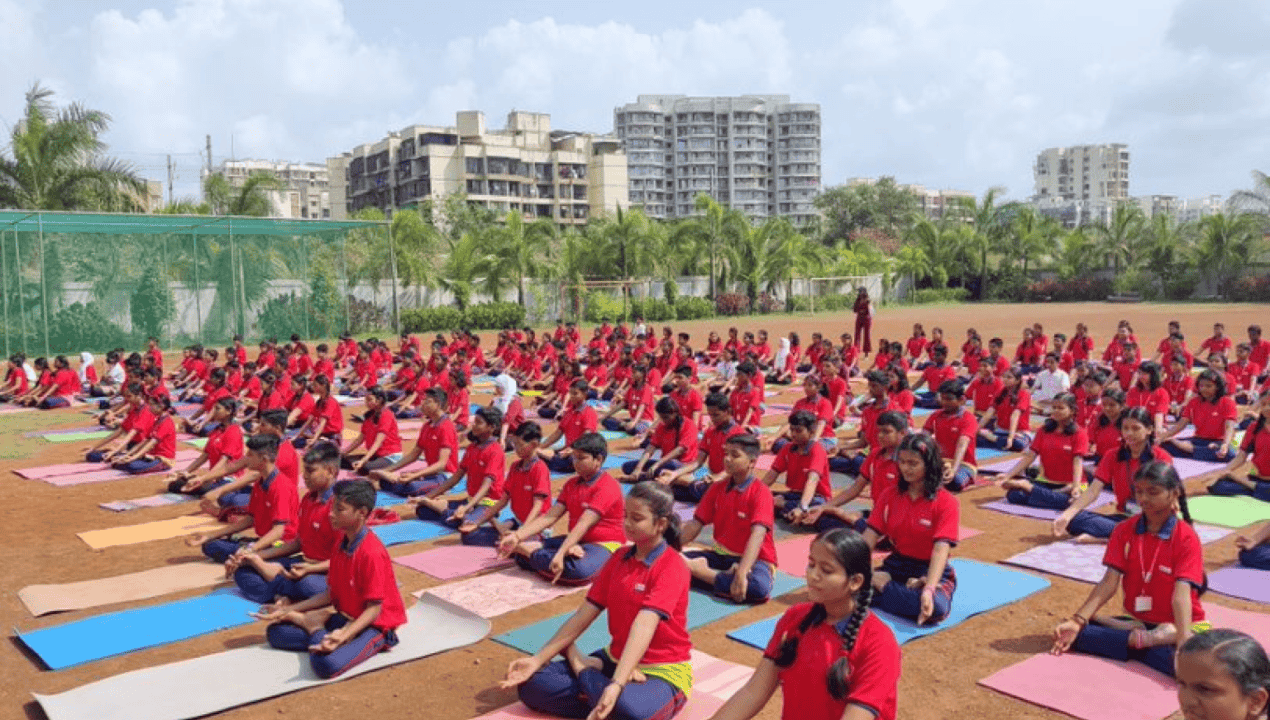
1256, 444
947, 429
690, 402
1080, 347
163, 432
933, 376
713, 442
874, 661
1115, 471
1155, 401
1151, 565
1005, 406
459, 406
600, 494
1104, 435
746, 405
274, 501
1209, 419
361, 573
835, 389
528, 485
880, 470
317, 541
1057, 450
798, 462
914, 526
640, 397
224, 443
666, 439
326, 409
389, 451
623, 588
575, 421
1178, 388
983, 393
483, 461
915, 347
734, 509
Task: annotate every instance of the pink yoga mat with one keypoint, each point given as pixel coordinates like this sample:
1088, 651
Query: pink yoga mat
47, 471
99, 476
1088, 687
1003, 506
1083, 561
1188, 468
501, 592
713, 682
453, 561
764, 461
791, 554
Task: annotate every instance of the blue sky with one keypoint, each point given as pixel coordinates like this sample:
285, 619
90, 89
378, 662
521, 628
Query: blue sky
948, 94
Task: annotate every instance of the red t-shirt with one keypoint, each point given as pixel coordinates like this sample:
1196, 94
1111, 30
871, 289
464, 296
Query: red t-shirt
689, 402
874, 661
1210, 418
819, 406
226, 441
983, 393
528, 484
482, 461
916, 346
639, 397
1056, 451
881, 471
1155, 401
735, 510
947, 429
602, 495
1178, 387
331, 411
361, 573
1245, 373
317, 537
386, 425
747, 405
1080, 347
1117, 468
667, 438
936, 375
1256, 443
213, 396
1215, 345
1104, 434
577, 421
627, 585
434, 436
914, 526
66, 382
798, 463
715, 438
837, 388
163, 432
1006, 406
1152, 565
275, 501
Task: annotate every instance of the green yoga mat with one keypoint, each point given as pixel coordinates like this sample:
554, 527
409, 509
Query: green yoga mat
77, 437
199, 443
1234, 512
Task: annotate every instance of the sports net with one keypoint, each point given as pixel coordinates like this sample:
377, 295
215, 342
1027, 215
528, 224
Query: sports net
830, 294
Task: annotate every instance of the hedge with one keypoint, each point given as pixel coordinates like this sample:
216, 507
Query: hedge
935, 295
486, 316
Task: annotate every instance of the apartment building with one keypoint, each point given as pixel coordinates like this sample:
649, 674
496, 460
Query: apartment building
759, 154
527, 167
305, 191
1081, 184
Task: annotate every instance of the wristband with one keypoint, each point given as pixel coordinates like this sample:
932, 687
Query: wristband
1079, 619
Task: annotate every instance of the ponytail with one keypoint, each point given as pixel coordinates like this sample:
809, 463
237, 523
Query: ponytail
661, 503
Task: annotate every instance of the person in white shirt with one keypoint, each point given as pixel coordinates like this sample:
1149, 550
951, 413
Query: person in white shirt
505, 387
1049, 383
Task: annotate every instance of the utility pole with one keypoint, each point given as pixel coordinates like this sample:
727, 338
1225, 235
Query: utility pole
171, 200
209, 154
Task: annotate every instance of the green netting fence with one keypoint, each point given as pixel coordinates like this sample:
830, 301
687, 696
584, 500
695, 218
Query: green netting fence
71, 282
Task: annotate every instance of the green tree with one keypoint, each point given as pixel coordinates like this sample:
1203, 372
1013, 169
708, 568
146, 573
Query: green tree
325, 307
1120, 238
519, 252
849, 209
1077, 255
1033, 237
404, 249
910, 260
56, 161
251, 199
152, 305
987, 227
714, 228
462, 267
1226, 244
1255, 201
1166, 251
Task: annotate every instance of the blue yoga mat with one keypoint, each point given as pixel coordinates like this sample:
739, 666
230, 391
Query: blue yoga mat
384, 499
980, 587
103, 636
982, 454
702, 609
408, 531
612, 435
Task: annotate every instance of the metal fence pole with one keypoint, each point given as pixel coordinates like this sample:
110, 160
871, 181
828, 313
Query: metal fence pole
4, 272
39, 220
304, 243
348, 320
198, 290
392, 254
17, 264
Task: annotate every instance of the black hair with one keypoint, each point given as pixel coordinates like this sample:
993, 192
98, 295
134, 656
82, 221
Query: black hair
802, 419
661, 502
264, 445
438, 395
668, 406
61, 362
322, 453
1163, 475
1217, 379
592, 444
879, 377
1239, 654
491, 415
1117, 396
1260, 422
163, 401
529, 431
746, 368
683, 370
852, 553
229, 404
748, 443
580, 385
927, 449
952, 387
1143, 416
897, 378
358, 494
892, 419
1070, 427
1007, 393
276, 417
1152, 372
717, 401
379, 394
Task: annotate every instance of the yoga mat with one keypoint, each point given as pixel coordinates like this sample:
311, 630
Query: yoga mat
385, 499
12, 410
996, 468
78, 436
764, 461
713, 682
1083, 561
45, 599
1188, 468
96, 638
145, 532
501, 592
612, 435
149, 501
199, 443
1241, 582
408, 531
62, 431
1234, 512
702, 609
980, 587
1088, 687
79, 468
181, 690
453, 561
1002, 506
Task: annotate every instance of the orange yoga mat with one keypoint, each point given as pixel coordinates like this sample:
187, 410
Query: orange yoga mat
145, 532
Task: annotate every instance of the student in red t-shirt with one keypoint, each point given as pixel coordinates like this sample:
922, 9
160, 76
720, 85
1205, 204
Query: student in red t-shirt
935, 373
833, 659
577, 419
237, 492
1104, 428
806, 468
637, 402
132, 429
922, 520
644, 673
818, 405
1178, 383
983, 389
483, 467
1158, 563
296, 569
878, 471
224, 445
15, 382
593, 501
710, 454
1148, 391
157, 450
200, 422
1214, 415
362, 590
1061, 444
272, 513
379, 434
954, 429
438, 444
62, 388
1008, 423
675, 439
528, 492
327, 421
1253, 451
747, 398
741, 512
1246, 374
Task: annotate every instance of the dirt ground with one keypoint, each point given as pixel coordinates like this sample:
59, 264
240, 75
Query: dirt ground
939, 674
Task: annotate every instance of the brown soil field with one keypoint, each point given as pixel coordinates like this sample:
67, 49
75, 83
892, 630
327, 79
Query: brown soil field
940, 672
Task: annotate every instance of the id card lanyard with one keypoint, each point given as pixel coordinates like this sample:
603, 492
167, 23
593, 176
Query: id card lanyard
1142, 603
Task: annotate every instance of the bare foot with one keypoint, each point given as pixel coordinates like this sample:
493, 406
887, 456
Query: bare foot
1017, 484
528, 547
579, 662
1086, 539
880, 580
1164, 634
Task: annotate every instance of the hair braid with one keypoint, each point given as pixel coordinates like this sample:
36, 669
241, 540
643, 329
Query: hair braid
839, 676
789, 646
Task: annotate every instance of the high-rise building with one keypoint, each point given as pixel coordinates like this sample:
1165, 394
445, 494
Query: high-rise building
759, 154
526, 167
1081, 184
304, 190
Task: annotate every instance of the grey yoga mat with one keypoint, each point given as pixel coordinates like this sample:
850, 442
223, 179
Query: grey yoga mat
178, 691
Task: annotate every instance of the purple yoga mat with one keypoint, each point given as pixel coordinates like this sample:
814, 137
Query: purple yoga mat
50, 471
66, 431
1241, 582
1188, 468
1083, 561
1008, 508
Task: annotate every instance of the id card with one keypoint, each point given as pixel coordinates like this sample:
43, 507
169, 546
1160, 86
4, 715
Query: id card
1142, 603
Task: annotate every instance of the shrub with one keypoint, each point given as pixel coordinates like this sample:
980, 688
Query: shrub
325, 307
363, 316
1074, 290
494, 316
282, 316
732, 304
671, 291
652, 310
693, 308
1250, 289
78, 327
767, 304
601, 305
1008, 284
420, 320
152, 304
936, 295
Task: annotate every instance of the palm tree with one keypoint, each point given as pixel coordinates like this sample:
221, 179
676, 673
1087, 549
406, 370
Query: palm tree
715, 227
1078, 255
462, 266
910, 260
1256, 200
1166, 250
1227, 243
790, 253
1119, 238
1033, 235
985, 218
518, 251
56, 161
250, 199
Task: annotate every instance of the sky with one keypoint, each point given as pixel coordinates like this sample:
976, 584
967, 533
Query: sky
948, 94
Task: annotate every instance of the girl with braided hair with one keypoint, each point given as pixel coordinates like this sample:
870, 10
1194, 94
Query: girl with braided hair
1223, 675
833, 659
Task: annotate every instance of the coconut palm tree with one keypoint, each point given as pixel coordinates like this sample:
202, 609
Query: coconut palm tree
1119, 238
517, 251
715, 228
1032, 236
985, 219
250, 199
1077, 255
1255, 201
910, 260
56, 161
1227, 243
